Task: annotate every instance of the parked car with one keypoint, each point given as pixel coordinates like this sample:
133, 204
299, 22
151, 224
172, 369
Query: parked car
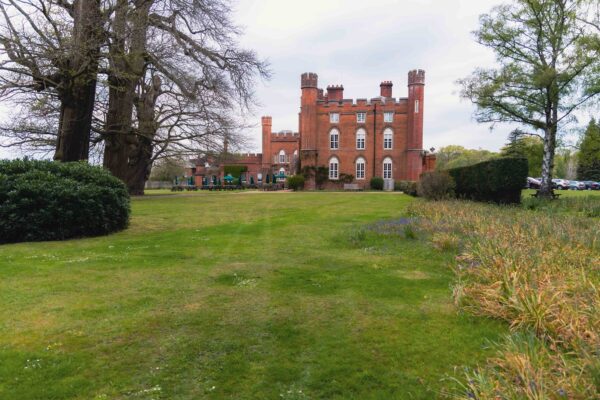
576, 185
591, 185
561, 184
533, 183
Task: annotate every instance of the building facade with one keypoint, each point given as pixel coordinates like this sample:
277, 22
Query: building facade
354, 140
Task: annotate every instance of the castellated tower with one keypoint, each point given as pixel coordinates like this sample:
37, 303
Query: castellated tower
308, 121
414, 142
267, 123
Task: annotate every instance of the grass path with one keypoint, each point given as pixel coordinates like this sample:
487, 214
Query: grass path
235, 296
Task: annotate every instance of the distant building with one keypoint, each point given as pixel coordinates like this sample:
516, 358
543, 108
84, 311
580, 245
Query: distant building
353, 139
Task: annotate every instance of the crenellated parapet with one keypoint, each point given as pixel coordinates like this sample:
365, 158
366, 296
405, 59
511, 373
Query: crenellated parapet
309, 80
416, 77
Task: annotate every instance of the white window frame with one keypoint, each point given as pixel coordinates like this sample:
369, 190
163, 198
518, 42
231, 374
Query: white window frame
280, 172
388, 116
334, 168
417, 106
361, 117
388, 139
282, 156
334, 118
388, 166
361, 139
334, 144
361, 166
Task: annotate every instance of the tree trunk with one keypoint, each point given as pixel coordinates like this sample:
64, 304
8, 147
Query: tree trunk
126, 70
140, 155
548, 162
79, 90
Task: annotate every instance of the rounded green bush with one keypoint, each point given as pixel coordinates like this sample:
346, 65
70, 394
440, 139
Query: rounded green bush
376, 183
45, 200
295, 182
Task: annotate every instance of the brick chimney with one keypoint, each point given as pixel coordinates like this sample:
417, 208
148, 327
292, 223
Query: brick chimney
335, 92
386, 89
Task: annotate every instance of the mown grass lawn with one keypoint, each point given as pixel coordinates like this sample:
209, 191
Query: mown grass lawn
236, 296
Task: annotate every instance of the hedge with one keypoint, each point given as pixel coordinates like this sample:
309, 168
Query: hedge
295, 182
376, 183
45, 200
499, 180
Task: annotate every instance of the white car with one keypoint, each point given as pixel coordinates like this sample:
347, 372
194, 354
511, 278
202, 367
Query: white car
561, 184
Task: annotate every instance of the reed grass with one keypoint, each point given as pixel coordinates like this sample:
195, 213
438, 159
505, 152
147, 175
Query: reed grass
540, 272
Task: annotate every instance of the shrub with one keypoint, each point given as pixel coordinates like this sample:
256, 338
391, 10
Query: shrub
346, 178
408, 187
44, 200
376, 183
499, 180
436, 185
295, 182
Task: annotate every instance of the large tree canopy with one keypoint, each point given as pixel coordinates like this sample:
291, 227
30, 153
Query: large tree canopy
170, 74
548, 68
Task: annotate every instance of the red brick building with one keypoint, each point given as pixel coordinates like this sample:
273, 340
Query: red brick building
354, 139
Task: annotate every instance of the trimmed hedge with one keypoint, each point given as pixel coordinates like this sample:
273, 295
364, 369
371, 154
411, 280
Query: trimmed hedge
45, 200
499, 180
295, 182
376, 183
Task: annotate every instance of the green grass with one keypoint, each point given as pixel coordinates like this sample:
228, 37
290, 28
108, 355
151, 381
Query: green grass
236, 296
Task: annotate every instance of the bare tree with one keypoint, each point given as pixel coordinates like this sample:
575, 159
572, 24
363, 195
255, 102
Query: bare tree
54, 46
192, 45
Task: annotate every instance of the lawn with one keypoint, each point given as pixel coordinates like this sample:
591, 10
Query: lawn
236, 296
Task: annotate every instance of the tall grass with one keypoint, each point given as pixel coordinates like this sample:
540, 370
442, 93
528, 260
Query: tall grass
538, 271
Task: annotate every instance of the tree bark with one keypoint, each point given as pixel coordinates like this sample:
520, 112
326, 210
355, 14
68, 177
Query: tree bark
140, 154
79, 87
126, 69
548, 162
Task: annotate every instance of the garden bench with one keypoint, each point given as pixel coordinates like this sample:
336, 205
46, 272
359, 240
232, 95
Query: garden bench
554, 195
351, 186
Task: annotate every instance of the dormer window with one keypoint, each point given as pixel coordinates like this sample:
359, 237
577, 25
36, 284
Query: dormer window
388, 117
361, 117
334, 118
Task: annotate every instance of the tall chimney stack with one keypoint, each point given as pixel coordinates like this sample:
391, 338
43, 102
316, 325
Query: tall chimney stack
386, 89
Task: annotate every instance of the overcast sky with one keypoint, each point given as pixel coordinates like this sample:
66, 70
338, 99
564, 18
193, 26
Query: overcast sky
360, 43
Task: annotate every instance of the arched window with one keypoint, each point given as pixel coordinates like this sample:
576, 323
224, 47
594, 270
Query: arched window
282, 156
334, 139
334, 168
282, 172
387, 168
388, 134
360, 168
361, 134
